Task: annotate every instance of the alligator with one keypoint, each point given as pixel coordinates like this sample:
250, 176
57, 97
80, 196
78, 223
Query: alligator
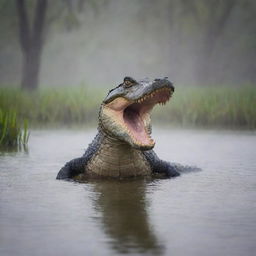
123, 146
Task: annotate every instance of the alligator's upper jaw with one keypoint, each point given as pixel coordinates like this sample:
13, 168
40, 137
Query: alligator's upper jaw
133, 115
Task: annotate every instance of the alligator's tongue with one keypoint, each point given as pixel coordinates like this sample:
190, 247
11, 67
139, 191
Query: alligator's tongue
135, 125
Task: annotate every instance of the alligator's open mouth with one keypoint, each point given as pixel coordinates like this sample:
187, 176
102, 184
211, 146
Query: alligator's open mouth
134, 115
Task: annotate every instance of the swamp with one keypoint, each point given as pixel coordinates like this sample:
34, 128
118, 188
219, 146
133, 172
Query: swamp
58, 61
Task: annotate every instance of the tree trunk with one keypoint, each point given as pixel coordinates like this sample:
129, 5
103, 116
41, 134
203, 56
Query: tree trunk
31, 41
212, 32
31, 67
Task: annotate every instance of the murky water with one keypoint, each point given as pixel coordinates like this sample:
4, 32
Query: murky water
212, 212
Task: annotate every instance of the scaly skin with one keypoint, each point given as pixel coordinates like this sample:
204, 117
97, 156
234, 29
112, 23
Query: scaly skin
117, 151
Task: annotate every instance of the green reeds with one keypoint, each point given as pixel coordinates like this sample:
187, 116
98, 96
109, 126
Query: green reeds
216, 106
213, 106
54, 107
12, 134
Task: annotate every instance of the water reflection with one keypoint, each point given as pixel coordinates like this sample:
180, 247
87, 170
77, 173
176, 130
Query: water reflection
125, 220
13, 149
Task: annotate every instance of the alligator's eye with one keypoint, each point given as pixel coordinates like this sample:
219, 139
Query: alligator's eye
128, 83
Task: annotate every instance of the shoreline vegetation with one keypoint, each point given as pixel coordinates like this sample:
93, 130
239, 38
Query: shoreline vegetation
214, 107
13, 134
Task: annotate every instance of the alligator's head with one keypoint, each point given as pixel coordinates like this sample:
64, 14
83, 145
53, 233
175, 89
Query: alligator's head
125, 112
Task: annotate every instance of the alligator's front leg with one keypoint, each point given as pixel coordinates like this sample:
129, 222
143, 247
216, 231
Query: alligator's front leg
72, 168
160, 166
77, 165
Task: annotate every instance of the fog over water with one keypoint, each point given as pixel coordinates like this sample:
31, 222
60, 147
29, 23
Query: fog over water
189, 41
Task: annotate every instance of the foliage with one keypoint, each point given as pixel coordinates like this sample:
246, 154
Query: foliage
220, 106
53, 106
213, 106
11, 132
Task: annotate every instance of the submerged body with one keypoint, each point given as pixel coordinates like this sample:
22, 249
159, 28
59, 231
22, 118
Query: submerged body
123, 146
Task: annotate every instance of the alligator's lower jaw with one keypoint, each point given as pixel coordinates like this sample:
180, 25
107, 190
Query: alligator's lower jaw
132, 117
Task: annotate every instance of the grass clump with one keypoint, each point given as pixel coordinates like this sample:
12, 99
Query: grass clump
12, 134
54, 107
215, 106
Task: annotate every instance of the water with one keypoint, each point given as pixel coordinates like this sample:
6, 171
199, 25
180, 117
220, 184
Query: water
212, 212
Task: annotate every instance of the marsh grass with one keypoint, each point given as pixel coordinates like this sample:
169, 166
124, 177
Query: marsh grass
215, 106
211, 107
12, 133
54, 107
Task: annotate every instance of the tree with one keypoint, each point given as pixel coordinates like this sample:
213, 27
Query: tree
210, 19
32, 36
31, 40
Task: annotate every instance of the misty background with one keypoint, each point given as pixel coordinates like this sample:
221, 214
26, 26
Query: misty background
59, 58
99, 42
